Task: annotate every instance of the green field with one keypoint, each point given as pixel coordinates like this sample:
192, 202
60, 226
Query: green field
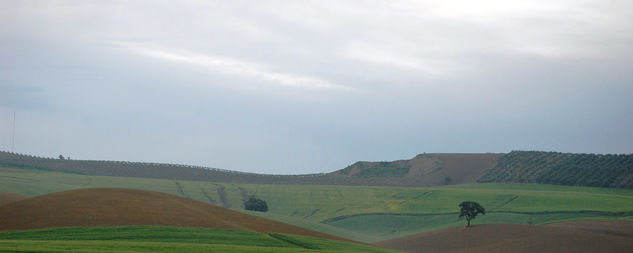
360, 212
166, 239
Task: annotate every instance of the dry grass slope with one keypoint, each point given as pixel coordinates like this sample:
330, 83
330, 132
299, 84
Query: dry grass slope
584, 236
121, 207
422, 170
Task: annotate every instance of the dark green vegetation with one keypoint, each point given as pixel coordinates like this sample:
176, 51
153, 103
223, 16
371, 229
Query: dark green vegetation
256, 204
166, 239
563, 169
470, 210
377, 169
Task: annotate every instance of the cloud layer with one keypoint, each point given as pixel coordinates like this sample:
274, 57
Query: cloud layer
312, 86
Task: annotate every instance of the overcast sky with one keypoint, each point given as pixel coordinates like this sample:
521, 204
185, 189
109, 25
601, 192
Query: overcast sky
290, 87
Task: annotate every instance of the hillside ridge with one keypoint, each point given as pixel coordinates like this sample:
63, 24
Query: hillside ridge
598, 170
423, 170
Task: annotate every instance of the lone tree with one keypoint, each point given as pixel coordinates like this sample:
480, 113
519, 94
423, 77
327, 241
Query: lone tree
470, 209
256, 204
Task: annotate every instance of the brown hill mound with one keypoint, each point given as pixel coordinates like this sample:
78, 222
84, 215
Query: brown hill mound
520, 238
422, 170
8, 197
120, 207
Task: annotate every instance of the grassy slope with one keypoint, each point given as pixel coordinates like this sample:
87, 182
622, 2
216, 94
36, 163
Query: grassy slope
166, 239
148, 234
365, 213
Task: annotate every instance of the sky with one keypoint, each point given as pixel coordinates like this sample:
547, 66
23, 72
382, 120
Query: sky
294, 87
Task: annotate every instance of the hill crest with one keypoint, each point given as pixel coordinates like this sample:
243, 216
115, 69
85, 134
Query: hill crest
423, 170
123, 207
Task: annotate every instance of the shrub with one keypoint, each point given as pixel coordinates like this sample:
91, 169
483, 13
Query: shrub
256, 204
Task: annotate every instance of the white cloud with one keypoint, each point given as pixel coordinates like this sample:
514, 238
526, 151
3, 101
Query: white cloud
230, 66
402, 56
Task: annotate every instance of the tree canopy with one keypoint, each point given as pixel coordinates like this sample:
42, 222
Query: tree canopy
470, 210
256, 204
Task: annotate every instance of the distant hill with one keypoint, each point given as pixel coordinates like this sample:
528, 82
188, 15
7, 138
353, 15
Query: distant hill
563, 169
584, 236
123, 207
422, 170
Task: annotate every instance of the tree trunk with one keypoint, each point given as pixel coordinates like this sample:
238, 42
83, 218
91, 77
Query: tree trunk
468, 222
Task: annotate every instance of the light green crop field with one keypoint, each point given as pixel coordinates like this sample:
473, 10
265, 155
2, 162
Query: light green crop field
362, 213
166, 239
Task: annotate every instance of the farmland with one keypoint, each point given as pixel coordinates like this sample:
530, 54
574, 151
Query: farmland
346, 211
167, 239
563, 169
8, 197
587, 236
424, 170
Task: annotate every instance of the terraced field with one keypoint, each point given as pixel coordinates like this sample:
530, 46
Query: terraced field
363, 213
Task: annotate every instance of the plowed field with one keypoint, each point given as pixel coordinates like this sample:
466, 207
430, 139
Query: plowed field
584, 236
8, 197
121, 207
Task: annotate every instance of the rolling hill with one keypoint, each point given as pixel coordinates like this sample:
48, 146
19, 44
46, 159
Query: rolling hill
361, 213
123, 207
421, 171
563, 169
587, 236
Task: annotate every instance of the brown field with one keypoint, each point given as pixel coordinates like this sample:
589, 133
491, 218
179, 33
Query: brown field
120, 207
8, 197
582, 236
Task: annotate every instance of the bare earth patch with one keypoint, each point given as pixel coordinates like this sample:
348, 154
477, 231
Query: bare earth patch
8, 197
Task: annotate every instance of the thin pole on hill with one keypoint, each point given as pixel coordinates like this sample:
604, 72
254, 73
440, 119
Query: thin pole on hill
13, 136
